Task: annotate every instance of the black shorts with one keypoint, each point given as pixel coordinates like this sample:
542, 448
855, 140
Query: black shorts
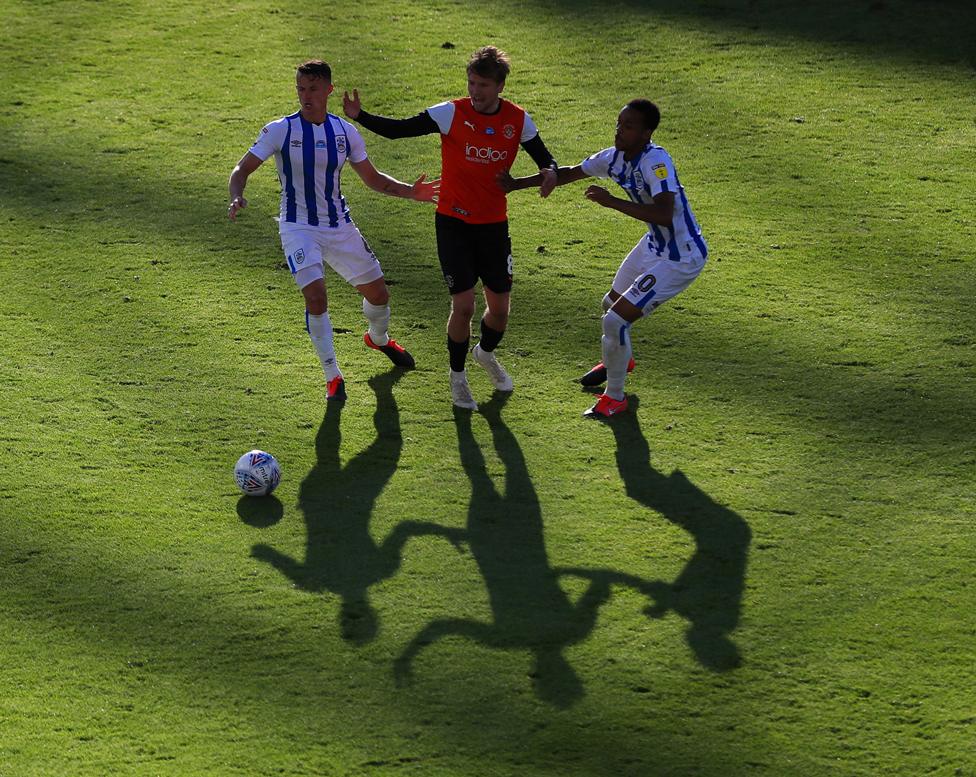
468, 252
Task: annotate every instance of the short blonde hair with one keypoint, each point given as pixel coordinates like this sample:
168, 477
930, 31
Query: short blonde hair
490, 62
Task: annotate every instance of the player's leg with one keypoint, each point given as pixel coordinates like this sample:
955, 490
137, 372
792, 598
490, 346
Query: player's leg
348, 253
615, 344
495, 266
661, 280
319, 327
598, 372
455, 253
493, 325
459, 318
304, 256
376, 308
630, 269
458, 338
456, 245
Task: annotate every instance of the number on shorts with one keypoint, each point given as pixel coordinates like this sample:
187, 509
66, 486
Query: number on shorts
646, 283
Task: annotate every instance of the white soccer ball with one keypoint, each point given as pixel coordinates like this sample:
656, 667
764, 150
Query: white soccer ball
257, 473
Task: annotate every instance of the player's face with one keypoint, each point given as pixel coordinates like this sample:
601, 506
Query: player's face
631, 136
484, 93
313, 96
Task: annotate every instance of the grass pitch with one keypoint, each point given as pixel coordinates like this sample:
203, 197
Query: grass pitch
765, 569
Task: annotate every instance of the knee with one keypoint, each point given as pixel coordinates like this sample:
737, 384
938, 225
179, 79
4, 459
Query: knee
316, 302
614, 327
462, 308
497, 320
378, 297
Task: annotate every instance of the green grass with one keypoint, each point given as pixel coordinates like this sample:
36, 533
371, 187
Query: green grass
765, 570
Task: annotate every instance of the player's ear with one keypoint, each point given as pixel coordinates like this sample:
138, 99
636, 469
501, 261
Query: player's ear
330, 89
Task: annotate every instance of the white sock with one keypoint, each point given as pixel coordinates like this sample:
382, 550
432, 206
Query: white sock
378, 317
320, 332
607, 302
616, 352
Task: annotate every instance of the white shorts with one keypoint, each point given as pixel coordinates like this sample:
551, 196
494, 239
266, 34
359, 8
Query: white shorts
343, 248
648, 280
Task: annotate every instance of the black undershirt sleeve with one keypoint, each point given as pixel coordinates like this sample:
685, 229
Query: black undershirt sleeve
536, 149
421, 124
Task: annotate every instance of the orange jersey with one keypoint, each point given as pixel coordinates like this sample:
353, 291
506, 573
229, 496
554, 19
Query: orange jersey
474, 150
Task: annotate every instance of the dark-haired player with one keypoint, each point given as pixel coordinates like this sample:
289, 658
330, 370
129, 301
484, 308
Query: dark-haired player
310, 148
665, 261
480, 136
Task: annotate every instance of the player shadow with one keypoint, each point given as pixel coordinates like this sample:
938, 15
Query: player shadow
504, 532
708, 591
341, 556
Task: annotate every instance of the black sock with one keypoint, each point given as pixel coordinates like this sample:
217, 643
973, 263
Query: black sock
458, 353
490, 338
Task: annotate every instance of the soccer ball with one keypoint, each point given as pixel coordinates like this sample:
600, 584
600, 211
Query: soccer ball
257, 473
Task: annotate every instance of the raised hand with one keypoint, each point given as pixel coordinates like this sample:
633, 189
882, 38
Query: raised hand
351, 106
423, 190
598, 194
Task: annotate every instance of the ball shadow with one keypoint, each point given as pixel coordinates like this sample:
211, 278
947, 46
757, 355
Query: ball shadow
260, 511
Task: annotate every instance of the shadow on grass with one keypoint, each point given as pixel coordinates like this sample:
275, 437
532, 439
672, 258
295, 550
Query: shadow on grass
708, 592
505, 534
940, 31
341, 556
260, 511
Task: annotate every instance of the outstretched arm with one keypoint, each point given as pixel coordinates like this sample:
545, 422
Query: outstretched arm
564, 175
479, 632
285, 564
238, 180
421, 189
404, 530
661, 211
421, 124
547, 164
655, 590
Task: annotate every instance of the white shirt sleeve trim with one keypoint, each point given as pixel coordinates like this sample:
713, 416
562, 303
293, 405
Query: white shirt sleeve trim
357, 146
598, 165
270, 139
443, 116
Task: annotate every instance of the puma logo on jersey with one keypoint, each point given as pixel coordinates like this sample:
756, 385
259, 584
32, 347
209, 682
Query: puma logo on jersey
469, 124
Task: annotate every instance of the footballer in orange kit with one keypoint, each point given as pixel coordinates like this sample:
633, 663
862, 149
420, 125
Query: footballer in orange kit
480, 136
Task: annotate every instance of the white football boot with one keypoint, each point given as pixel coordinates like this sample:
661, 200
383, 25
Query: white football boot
495, 371
460, 392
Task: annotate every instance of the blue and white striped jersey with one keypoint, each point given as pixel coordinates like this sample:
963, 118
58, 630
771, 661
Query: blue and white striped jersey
650, 173
309, 159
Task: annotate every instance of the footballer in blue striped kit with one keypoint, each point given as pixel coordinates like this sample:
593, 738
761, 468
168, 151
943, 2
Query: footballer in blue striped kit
310, 149
665, 261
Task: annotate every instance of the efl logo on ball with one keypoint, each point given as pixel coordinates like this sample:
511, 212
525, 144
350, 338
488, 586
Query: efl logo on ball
257, 473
